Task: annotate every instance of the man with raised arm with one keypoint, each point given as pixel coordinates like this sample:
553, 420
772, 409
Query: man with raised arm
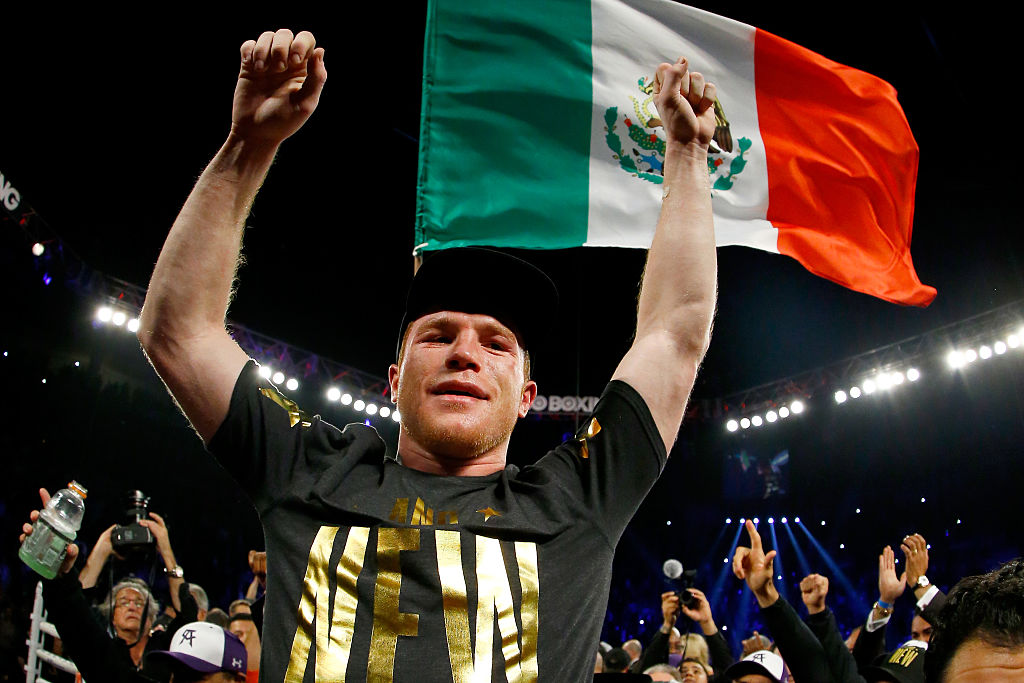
441, 564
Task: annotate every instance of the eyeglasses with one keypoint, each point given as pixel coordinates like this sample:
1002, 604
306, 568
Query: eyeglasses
125, 602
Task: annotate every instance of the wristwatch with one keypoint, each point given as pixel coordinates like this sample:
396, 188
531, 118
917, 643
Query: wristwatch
176, 573
922, 582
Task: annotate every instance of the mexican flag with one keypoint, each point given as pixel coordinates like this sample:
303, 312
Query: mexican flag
539, 130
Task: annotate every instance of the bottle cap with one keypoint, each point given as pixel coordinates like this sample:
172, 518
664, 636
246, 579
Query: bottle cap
78, 488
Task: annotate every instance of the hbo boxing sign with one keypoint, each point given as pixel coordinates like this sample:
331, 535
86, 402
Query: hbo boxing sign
563, 404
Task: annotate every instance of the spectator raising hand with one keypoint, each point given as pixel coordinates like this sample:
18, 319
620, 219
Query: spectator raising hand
915, 550
755, 567
813, 589
700, 612
889, 587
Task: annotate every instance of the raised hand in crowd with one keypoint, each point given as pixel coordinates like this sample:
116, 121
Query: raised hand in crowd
258, 567
700, 612
813, 589
175, 576
915, 550
98, 556
669, 610
26, 530
889, 587
756, 567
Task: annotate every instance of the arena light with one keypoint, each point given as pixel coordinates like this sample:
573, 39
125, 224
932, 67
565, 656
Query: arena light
896, 377
869, 386
396, 416
359, 404
970, 355
955, 359
756, 421
985, 352
797, 407
371, 409
278, 377
732, 425
783, 412
118, 318
796, 519
38, 248
913, 374
784, 521
883, 380
840, 396
745, 422
756, 520
1013, 341
728, 520
333, 394
292, 384
771, 416
265, 371
385, 411
999, 347
771, 520
104, 314
133, 325
346, 399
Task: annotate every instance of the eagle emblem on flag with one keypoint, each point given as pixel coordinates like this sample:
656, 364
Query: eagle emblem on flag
646, 159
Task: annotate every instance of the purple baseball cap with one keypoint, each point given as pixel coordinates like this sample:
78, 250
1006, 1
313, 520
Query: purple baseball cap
206, 647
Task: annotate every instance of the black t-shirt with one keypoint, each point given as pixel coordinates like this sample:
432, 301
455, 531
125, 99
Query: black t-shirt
379, 572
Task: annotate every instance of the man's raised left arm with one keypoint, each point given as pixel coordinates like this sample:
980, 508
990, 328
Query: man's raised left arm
677, 297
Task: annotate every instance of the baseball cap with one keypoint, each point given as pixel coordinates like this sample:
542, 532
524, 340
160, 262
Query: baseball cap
905, 664
762, 662
206, 647
479, 280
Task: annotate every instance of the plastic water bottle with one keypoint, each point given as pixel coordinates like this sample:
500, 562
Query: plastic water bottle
58, 524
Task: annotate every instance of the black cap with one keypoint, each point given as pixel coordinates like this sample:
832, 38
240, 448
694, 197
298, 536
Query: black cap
479, 280
905, 664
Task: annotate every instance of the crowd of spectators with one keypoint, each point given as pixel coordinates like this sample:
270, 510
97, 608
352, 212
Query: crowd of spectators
129, 633
974, 633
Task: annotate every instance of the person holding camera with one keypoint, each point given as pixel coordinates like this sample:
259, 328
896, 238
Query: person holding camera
668, 646
184, 654
103, 549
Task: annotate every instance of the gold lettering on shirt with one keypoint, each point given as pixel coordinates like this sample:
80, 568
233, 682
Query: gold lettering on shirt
456, 608
494, 595
333, 633
529, 580
400, 511
421, 514
313, 604
343, 621
388, 622
447, 517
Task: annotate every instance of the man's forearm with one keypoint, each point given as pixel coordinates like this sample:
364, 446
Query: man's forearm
191, 284
678, 294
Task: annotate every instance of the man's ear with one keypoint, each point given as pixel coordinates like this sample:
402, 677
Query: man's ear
393, 381
529, 393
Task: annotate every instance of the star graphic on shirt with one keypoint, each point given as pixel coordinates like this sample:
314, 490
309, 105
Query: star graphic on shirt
592, 429
489, 512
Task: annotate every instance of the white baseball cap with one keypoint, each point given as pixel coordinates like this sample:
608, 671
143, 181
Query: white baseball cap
763, 662
206, 647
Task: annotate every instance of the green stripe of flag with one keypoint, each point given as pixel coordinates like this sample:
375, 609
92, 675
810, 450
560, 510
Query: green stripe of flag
505, 124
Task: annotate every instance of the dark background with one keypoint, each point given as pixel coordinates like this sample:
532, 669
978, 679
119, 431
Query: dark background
107, 118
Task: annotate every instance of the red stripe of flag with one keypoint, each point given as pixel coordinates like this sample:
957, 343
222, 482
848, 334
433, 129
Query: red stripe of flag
842, 167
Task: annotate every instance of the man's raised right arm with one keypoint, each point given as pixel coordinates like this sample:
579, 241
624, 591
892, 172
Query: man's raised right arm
182, 326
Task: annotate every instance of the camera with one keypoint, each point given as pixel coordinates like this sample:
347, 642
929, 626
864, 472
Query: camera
687, 580
133, 537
